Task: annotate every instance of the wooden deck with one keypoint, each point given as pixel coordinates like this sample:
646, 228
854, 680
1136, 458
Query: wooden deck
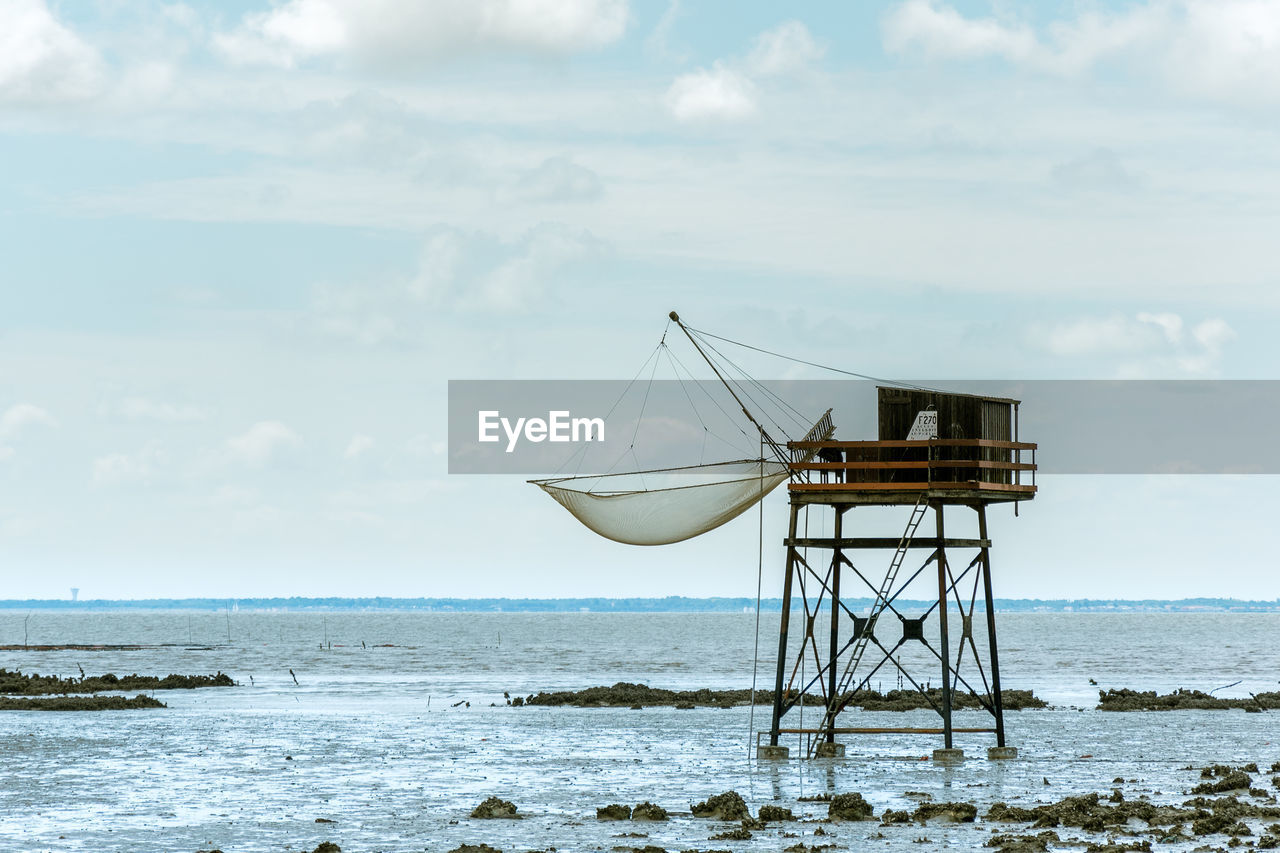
959, 471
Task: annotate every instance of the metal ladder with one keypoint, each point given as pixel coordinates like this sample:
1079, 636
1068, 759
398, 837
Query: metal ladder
881, 601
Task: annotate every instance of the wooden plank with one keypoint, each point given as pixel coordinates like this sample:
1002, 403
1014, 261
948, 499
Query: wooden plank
857, 466
939, 485
932, 442
861, 487
919, 463
982, 463
884, 730
884, 542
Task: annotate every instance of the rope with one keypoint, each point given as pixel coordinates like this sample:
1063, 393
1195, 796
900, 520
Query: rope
764, 412
755, 663
699, 385
706, 431
583, 450
783, 406
896, 382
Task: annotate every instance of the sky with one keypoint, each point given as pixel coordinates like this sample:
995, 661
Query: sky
244, 246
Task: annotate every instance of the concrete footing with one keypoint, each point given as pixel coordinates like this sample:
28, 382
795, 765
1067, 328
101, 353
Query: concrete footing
948, 756
829, 750
1002, 753
772, 753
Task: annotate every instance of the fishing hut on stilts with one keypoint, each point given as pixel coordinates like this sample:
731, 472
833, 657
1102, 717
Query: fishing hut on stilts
939, 462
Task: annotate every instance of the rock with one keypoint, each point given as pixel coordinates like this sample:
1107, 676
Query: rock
324, 820
1180, 699
1232, 780
849, 807
890, 816
327, 847
738, 834
952, 812
627, 695
495, 808
613, 812
648, 811
475, 848
768, 813
1112, 846
726, 806
1023, 843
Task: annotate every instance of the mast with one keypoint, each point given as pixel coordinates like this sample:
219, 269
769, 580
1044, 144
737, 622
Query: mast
768, 439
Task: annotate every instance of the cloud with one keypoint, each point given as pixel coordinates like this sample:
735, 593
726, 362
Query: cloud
41, 61
120, 469
461, 272
658, 43
1100, 169
727, 91
474, 272
718, 93
261, 443
358, 445
140, 408
1147, 343
1225, 49
559, 179
18, 417
402, 34
940, 32
788, 48
423, 445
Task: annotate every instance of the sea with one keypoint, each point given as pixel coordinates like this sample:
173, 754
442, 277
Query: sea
382, 731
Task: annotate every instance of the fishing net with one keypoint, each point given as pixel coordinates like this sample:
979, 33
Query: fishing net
668, 505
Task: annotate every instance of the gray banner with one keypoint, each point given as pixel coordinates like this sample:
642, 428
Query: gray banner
549, 427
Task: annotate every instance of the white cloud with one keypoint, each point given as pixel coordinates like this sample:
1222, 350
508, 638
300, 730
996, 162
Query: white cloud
141, 408
408, 33
261, 442
1100, 336
1100, 169
18, 417
1170, 324
423, 445
788, 48
358, 445
1147, 344
941, 32
1226, 49
558, 179
477, 273
42, 61
716, 93
727, 90
658, 44
119, 469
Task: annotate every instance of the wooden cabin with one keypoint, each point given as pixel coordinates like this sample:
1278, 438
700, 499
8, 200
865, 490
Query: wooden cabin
955, 447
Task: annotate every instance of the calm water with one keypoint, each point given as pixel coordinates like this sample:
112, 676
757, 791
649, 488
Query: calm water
378, 745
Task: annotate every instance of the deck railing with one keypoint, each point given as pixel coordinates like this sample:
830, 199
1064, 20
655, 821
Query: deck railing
932, 463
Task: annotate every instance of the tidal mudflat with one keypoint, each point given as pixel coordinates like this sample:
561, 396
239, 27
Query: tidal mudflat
398, 729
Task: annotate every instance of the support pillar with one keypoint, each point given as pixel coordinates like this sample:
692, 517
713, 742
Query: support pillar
944, 638
836, 559
997, 699
782, 630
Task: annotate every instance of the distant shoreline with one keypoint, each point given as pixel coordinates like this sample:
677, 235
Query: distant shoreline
673, 604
